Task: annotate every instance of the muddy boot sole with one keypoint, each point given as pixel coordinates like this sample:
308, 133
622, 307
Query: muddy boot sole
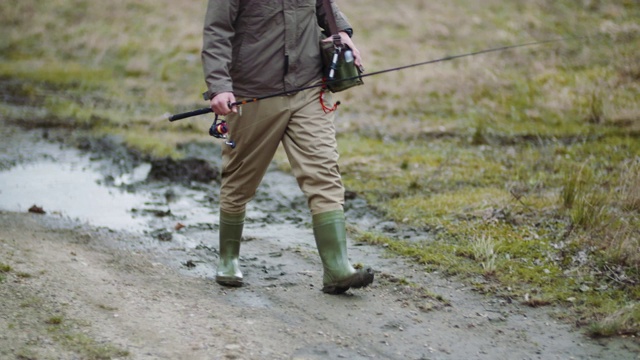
230, 281
360, 279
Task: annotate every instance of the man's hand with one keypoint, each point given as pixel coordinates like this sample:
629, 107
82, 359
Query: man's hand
220, 103
346, 40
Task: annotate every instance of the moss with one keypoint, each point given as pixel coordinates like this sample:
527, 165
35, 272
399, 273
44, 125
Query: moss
54, 320
56, 74
90, 348
621, 322
156, 146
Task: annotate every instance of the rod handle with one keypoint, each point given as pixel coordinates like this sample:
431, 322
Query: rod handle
187, 114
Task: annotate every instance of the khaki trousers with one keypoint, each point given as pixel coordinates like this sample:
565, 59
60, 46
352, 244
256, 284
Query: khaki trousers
309, 139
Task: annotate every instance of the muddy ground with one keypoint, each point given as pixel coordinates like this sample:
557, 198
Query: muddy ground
121, 263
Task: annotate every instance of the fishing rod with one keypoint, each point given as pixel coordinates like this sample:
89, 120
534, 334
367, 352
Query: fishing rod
207, 110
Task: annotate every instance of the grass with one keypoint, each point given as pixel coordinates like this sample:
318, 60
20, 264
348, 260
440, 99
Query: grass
623, 321
540, 226
54, 320
36, 315
4, 268
88, 347
525, 164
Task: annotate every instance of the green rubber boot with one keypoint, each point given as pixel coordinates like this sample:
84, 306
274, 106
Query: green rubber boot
228, 272
329, 230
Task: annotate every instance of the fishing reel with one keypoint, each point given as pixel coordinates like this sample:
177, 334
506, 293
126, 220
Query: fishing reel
219, 130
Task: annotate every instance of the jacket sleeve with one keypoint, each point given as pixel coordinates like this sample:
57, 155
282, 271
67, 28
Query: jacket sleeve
341, 19
216, 53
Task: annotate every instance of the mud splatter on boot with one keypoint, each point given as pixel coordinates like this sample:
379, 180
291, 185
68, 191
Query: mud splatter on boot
228, 272
329, 230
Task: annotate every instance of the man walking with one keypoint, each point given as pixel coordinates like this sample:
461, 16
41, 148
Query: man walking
254, 48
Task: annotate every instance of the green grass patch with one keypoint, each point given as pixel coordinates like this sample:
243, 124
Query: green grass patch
621, 322
54, 320
541, 221
84, 345
24, 275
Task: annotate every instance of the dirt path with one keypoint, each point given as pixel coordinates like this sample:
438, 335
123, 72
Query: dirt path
75, 290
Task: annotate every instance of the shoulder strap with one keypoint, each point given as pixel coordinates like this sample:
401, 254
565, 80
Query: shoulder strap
331, 20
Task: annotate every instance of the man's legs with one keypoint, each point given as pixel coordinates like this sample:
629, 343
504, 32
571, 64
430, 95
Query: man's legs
256, 133
311, 146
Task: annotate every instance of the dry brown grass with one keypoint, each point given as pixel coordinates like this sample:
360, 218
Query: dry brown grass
442, 95
629, 188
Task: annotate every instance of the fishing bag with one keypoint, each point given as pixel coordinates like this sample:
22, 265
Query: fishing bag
339, 68
345, 73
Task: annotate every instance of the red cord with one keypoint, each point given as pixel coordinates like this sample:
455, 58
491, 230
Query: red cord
325, 108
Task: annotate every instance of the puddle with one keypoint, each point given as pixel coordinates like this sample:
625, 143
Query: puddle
100, 191
72, 189
74, 186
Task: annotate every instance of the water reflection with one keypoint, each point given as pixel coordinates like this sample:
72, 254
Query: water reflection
72, 189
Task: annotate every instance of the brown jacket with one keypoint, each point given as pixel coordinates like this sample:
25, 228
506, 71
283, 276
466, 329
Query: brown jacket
260, 47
